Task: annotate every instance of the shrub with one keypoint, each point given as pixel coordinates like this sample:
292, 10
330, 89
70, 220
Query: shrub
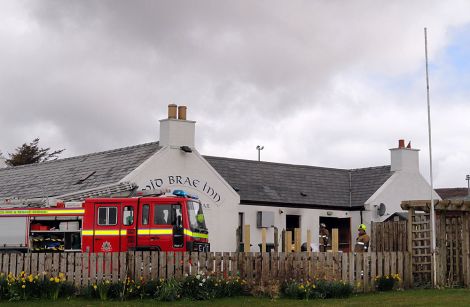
170, 290
228, 287
334, 289
387, 282
24, 287
317, 289
198, 287
301, 290
103, 288
3, 287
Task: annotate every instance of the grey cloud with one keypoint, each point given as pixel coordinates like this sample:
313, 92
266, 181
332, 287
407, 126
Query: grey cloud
297, 76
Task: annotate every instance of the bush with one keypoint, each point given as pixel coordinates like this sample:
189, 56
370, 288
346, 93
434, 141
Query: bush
170, 290
387, 282
334, 289
317, 289
3, 287
198, 287
228, 287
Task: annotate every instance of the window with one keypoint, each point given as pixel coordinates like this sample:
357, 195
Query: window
107, 216
161, 214
176, 214
145, 214
128, 216
196, 216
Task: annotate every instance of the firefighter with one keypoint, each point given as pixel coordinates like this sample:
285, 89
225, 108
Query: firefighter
200, 218
324, 237
362, 240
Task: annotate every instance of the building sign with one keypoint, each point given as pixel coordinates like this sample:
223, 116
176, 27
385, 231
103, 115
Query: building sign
202, 187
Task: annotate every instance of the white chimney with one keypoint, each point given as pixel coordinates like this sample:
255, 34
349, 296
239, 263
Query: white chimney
404, 158
177, 131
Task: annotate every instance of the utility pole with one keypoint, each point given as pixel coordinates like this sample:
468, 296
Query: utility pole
259, 148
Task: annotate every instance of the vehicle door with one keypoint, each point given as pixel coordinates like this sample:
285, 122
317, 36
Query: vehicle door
144, 225
168, 226
128, 233
106, 228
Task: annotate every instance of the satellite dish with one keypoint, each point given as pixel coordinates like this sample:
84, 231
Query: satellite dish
381, 209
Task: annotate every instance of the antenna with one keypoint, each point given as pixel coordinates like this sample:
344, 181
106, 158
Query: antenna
259, 148
433, 223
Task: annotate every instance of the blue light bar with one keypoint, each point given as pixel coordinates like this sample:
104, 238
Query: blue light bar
180, 193
192, 196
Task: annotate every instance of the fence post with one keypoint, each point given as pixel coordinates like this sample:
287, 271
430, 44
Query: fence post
297, 239
288, 241
246, 238
334, 243
263, 240
276, 239
309, 241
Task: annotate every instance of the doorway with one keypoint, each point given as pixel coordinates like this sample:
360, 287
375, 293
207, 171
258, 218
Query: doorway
344, 231
292, 222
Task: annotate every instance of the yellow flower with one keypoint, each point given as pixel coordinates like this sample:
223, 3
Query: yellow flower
51, 279
57, 279
23, 286
94, 287
107, 282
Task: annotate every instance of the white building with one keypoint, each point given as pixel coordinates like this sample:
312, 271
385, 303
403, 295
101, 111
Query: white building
234, 191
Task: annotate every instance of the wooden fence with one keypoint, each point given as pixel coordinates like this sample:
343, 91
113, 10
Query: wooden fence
83, 269
389, 236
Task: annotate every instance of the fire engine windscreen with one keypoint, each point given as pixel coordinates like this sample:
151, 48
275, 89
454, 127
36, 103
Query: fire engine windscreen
196, 216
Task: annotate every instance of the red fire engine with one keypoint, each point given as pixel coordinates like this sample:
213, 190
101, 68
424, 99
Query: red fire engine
157, 222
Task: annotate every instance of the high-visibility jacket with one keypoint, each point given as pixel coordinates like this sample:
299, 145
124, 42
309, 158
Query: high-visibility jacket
362, 243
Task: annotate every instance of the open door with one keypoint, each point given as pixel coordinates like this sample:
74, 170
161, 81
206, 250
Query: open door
344, 231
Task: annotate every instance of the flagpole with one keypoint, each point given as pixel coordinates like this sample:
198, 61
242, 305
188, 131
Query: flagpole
432, 213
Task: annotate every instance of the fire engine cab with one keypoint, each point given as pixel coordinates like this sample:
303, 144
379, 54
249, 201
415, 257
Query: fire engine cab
156, 222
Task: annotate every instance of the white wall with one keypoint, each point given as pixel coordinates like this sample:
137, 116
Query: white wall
196, 176
310, 219
402, 185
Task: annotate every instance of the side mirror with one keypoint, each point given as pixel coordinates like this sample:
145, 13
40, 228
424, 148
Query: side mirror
179, 221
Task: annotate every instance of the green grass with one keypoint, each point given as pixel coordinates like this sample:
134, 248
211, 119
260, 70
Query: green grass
448, 297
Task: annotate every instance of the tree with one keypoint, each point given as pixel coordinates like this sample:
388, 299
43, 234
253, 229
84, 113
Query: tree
31, 153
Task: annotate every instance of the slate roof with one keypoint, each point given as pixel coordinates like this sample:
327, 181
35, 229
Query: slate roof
257, 182
452, 193
276, 183
62, 176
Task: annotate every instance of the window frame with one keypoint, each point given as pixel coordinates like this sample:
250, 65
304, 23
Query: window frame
107, 220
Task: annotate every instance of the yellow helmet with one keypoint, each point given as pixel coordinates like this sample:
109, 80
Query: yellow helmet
362, 227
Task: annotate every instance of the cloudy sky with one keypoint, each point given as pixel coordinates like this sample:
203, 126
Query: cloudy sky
326, 83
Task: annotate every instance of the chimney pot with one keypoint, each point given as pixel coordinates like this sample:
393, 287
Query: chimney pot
409, 145
182, 112
401, 143
172, 111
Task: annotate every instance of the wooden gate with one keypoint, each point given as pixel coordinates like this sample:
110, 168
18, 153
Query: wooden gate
419, 243
452, 242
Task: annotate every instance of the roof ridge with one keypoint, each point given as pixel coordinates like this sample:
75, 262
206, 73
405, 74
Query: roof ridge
369, 167
80, 156
279, 163
300, 165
